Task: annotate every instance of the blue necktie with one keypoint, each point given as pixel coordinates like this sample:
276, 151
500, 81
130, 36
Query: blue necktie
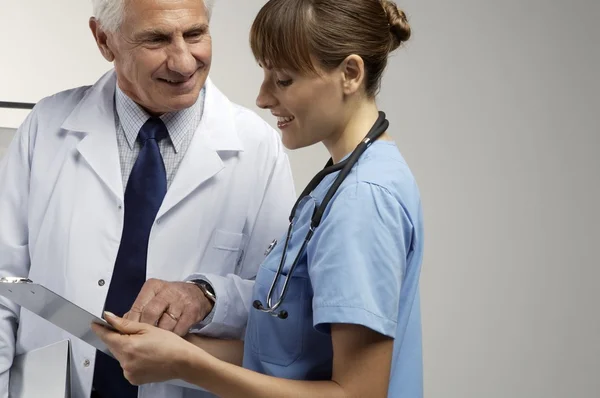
146, 188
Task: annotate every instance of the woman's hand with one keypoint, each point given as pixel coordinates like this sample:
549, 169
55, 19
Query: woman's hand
146, 353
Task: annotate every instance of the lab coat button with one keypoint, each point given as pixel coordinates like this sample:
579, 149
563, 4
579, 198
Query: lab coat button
101, 282
86, 363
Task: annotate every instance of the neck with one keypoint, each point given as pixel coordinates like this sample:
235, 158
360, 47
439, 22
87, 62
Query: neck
354, 131
132, 95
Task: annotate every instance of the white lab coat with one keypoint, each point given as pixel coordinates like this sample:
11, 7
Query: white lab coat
61, 216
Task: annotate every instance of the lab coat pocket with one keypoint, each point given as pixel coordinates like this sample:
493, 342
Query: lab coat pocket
228, 241
280, 341
225, 253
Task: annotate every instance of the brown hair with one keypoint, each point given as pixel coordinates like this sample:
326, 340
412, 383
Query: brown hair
292, 34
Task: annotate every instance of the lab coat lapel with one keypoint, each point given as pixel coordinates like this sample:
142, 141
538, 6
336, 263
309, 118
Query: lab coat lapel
94, 119
215, 134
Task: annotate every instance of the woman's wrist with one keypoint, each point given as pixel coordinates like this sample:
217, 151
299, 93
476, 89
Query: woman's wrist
193, 362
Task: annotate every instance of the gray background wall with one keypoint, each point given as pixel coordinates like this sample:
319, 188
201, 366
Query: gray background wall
495, 106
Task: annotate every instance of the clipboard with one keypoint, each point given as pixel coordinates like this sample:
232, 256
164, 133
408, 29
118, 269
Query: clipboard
62, 313
55, 309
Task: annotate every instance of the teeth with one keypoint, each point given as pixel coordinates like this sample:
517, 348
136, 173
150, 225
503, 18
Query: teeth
285, 119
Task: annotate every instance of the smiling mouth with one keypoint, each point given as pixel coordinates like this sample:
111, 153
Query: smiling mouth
284, 121
178, 82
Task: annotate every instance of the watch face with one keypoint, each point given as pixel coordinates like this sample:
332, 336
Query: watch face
208, 288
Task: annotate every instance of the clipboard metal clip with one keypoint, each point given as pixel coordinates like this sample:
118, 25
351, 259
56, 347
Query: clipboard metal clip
12, 279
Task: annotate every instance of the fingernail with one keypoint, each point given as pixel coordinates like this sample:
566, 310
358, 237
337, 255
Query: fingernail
109, 314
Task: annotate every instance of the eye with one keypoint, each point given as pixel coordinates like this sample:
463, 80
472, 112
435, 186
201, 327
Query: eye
196, 35
156, 40
285, 83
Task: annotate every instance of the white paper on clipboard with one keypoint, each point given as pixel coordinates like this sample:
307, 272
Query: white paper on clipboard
55, 309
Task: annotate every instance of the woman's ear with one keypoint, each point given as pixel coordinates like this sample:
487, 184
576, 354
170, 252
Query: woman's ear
353, 74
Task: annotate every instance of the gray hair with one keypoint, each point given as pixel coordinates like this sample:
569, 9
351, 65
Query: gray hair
110, 13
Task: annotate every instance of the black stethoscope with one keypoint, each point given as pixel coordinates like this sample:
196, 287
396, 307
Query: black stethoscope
376, 131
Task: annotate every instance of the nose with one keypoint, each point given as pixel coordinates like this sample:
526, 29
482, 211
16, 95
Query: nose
265, 99
181, 59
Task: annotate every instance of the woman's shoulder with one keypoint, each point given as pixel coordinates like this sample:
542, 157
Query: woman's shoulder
382, 166
381, 177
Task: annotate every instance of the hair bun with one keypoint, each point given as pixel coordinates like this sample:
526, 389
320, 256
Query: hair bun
399, 27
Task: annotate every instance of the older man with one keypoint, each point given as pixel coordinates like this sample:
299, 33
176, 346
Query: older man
118, 194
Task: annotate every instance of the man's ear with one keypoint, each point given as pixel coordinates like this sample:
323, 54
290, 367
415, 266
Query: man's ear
353, 74
101, 39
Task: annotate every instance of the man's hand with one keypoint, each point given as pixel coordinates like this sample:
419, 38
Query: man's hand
173, 306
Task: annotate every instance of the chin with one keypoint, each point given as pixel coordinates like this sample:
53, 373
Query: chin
290, 143
184, 101
290, 147
180, 102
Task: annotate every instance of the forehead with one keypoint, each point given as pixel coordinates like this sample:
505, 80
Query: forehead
143, 14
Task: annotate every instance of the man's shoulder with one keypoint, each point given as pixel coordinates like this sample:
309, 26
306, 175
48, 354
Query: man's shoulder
60, 105
63, 101
51, 111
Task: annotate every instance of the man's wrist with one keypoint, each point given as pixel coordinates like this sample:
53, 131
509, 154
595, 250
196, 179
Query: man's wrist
208, 291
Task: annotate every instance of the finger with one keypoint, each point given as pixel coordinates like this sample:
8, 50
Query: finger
153, 310
100, 331
147, 293
187, 319
131, 378
124, 326
170, 317
170, 296
167, 322
110, 338
134, 314
183, 327
195, 311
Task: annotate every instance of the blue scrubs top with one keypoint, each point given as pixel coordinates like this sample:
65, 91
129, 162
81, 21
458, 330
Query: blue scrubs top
362, 266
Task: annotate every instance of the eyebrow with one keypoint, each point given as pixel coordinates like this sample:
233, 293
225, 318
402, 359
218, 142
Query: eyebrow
158, 33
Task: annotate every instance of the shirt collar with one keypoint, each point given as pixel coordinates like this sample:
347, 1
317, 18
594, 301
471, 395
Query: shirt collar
132, 117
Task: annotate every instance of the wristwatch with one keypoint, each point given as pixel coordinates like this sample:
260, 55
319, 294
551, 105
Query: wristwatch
206, 289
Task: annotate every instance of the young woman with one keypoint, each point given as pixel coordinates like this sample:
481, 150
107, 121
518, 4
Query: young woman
342, 316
